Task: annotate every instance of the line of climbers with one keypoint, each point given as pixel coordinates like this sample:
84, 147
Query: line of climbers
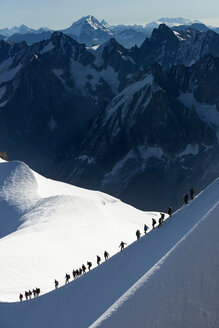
161, 219
186, 196
78, 272
28, 295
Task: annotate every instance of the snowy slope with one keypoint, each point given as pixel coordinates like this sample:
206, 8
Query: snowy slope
181, 290
51, 227
180, 257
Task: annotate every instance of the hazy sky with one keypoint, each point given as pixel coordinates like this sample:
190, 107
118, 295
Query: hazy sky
58, 14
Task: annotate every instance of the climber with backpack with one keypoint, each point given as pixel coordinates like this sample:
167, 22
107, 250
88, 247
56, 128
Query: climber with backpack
67, 277
56, 284
98, 259
122, 245
153, 223
138, 234
192, 191
83, 268
170, 210
186, 198
89, 265
145, 229
106, 255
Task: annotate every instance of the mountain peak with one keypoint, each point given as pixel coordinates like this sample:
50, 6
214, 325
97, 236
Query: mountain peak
111, 45
87, 24
58, 35
163, 32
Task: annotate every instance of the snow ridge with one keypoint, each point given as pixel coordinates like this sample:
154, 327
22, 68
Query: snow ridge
185, 241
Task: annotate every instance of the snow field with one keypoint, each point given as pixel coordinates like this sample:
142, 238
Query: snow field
56, 228
181, 290
166, 279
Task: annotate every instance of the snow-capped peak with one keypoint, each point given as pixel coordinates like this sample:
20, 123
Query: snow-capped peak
84, 23
93, 22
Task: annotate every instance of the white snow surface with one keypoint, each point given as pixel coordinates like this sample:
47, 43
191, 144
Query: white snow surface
83, 75
169, 278
80, 74
48, 228
182, 286
125, 97
179, 36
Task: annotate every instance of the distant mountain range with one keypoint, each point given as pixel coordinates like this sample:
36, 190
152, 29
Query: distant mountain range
139, 123
22, 29
90, 31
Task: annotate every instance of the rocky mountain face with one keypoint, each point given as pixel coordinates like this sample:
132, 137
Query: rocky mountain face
168, 47
30, 37
141, 123
50, 92
150, 143
196, 26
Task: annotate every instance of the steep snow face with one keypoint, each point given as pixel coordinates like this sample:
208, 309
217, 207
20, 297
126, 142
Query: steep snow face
181, 290
126, 96
54, 228
173, 269
179, 36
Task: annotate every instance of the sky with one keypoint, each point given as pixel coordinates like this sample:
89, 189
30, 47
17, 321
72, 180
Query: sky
58, 14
